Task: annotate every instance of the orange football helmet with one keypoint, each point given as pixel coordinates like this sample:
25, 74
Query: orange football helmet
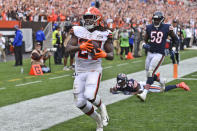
92, 18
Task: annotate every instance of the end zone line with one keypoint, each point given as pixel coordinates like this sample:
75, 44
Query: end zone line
59, 77
28, 83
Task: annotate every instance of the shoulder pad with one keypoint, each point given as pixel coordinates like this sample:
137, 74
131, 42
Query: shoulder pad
78, 31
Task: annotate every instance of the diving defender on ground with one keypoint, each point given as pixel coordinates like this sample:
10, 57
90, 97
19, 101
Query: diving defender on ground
155, 39
133, 87
90, 42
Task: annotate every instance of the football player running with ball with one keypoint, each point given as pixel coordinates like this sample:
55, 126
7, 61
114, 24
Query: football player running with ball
90, 42
155, 40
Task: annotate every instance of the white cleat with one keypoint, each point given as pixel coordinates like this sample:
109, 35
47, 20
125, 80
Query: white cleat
104, 115
99, 124
142, 96
163, 84
66, 68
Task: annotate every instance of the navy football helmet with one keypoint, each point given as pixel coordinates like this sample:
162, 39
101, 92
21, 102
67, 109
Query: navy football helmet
121, 79
158, 18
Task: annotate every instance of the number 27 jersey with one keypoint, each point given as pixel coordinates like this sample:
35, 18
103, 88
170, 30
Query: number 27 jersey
157, 37
84, 62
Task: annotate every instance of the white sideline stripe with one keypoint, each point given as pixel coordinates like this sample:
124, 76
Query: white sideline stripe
59, 77
28, 83
2, 88
41, 113
122, 64
107, 67
194, 75
137, 61
187, 79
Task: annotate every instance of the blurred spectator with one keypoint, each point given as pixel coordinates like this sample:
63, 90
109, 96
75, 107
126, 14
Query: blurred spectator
38, 57
57, 43
124, 43
40, 36
18, 41
2, 47
67, 54
189, 34
116, 42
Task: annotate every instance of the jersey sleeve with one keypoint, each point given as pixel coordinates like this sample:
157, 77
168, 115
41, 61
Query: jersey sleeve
109, 35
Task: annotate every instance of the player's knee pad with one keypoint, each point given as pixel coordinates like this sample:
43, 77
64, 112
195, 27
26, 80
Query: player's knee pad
90, 95
80, 102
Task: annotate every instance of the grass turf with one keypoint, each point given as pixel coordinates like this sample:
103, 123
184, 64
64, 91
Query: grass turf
10, 78
175, 110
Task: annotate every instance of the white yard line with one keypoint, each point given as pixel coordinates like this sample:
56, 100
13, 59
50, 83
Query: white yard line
193, 79
28, 83
2, 88
138, 61
122, 64
41, 113
194, 75
107, 67
59, 77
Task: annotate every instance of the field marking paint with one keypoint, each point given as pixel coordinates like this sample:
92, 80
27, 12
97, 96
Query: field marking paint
122, 64
137, 61
3, 88
14, 79
58, 71
193, 79
194, 75
28, 83
58, 77
28, 77
107, 67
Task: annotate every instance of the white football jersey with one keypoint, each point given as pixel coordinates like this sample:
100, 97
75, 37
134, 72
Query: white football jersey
83, 59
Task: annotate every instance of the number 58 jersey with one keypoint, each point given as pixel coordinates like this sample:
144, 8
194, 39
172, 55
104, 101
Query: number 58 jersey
84, 61
157, 37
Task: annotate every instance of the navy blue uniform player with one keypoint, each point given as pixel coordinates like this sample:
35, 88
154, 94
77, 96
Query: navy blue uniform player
132, 87
155, 39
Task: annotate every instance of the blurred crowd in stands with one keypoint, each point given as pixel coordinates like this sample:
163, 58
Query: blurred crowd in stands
118, 11
119, 15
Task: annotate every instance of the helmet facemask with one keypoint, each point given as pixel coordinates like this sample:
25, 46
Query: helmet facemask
90, 21
122, 80
157, 19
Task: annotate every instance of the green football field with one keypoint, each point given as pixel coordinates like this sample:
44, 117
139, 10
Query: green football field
16, 86
175, 110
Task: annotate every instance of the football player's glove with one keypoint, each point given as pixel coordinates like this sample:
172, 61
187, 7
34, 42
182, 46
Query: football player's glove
100, 54
86, 46
146, 46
